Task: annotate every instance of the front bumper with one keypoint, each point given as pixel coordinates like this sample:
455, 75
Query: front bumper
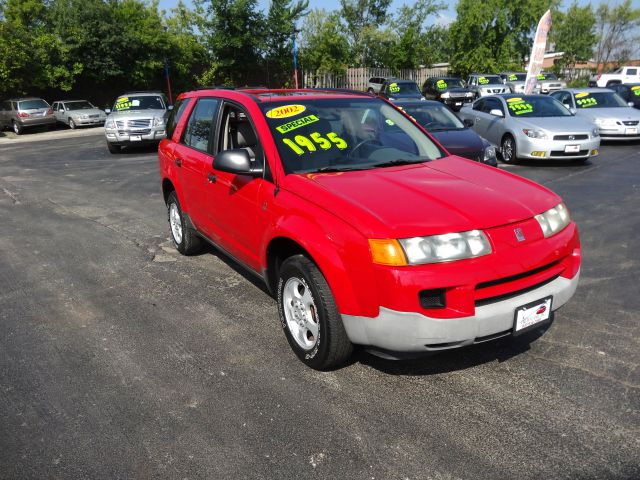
533, 148
620, 132
415, 332
133, 137
89, 121
456, 102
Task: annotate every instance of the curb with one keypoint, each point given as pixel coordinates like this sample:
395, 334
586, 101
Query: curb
10, 138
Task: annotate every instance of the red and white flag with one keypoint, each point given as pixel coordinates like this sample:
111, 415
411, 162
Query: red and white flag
537, 52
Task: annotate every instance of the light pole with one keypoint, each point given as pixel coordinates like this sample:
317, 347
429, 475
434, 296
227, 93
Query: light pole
295, 60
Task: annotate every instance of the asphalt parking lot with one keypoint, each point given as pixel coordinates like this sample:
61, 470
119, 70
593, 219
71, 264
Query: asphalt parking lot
119, 358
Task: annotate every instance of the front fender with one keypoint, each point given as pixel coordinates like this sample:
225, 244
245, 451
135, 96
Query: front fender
340, 252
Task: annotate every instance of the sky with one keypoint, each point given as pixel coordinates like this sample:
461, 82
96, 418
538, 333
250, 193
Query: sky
445, 16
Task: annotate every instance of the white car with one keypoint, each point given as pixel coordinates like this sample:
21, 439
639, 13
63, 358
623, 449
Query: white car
615, 119
78, 113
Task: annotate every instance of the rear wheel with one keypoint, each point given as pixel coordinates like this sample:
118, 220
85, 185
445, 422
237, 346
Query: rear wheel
508, 150
184, 238
309, 315
17, 128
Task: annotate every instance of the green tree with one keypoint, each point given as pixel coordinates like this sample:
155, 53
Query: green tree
617, 32
233, 33
324, 46
494, 35
411, 49
363, 17
282, 18
573, 33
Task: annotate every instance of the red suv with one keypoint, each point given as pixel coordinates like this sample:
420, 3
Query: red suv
362, 226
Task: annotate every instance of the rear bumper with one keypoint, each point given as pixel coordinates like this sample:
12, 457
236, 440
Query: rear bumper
37, 121
415, 332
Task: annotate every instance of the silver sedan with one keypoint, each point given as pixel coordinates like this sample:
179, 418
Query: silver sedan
615, 119
532, 126
78, 113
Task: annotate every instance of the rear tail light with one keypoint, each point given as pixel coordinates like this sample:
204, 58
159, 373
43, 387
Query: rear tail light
23, 114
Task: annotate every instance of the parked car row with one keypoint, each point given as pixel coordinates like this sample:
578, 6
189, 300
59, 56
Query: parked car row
19, 114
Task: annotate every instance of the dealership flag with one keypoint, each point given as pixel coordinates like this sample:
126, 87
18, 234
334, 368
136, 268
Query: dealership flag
537, 52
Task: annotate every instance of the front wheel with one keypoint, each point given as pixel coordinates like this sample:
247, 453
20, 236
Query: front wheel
508, 150
113, 148
72, 124
309, 315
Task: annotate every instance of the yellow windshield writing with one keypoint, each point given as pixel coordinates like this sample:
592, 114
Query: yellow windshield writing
300, 122
302, 144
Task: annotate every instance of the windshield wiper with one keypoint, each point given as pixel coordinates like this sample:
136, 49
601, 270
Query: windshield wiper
336, 169
399, 161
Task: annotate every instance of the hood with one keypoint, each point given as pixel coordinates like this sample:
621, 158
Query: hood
616, 113
131, 114
556, 124
85, 111
454, 90
464, 142
443, 196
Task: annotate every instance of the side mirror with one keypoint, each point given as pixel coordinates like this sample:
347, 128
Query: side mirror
496, 112
573, 110
170, 107
107, 111
235, 161
467, 122
631, 104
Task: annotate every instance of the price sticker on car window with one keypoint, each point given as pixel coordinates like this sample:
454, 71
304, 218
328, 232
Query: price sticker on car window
583, 100
441, 85
636, 90
513, 78
394, 88
518, 106
123, 103
286, 111
542, 76
314, 142
483, 80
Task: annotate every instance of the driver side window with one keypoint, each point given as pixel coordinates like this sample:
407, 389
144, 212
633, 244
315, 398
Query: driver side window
237, 132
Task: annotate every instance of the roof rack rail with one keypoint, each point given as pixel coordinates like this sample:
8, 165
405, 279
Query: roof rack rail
157, 92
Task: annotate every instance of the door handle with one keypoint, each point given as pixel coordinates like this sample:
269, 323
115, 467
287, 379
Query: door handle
178, 162
211, 177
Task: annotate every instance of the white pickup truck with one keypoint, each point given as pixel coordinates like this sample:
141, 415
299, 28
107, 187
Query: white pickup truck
614, 77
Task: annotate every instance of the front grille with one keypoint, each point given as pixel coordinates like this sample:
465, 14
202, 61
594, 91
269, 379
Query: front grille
133, 124
136, 132
630, 123
571, 137
497, 90
94, 116
457, 95
562, 153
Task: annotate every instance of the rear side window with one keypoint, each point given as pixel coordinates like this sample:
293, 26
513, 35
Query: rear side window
175, 115
199, 127
32, 104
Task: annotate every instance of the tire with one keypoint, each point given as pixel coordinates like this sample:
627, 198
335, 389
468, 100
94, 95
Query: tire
113, 148
613, 82
72, 124
370, 90
309, 315
508, 150
17, 128
184, 238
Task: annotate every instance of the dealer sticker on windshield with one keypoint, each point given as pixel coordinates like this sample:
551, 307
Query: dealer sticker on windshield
286, 111
532, 315
518, 106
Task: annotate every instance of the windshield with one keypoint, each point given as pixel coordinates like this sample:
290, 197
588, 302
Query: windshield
329, 134
433, 117
403, 89
489, 80
134, 102
536, 106
599, 100
79, 105
547, 76
32, 104
445, 83
517, 77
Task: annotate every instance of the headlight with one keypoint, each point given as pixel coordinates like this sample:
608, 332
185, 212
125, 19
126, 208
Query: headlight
84, 117
109, 124
554, 220
595, 133
158, 121
468, 94
445, 95
445, 248
489, 153
534, 133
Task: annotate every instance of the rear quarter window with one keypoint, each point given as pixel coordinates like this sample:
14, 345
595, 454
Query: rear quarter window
175, 115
